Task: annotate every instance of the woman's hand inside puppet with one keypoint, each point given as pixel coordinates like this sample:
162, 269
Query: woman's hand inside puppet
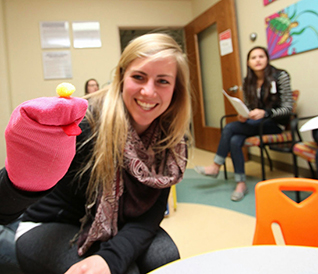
41, 139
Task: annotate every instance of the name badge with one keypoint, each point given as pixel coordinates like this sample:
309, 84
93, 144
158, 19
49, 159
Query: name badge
273, 87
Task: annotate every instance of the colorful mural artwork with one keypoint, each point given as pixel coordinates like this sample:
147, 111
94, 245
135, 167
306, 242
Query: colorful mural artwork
266, 2
293, 29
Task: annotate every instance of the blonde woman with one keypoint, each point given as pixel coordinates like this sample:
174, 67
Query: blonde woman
104, 215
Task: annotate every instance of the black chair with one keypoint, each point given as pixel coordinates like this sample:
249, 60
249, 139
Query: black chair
282, 142
304, 149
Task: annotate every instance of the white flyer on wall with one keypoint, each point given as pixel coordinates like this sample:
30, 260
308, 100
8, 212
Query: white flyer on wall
55, 34
225, 39
57, 64
86, 35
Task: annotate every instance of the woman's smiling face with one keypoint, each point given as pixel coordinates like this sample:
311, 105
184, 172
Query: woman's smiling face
148, 87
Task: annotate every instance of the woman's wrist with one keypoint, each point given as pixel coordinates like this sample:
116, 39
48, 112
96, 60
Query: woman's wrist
267, 113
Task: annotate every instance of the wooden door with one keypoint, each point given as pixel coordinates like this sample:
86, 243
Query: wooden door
213, 32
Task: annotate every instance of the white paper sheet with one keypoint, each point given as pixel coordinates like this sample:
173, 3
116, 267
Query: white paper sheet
310, 125
86, 35
57, 64
239, 106
225, 39
55, 34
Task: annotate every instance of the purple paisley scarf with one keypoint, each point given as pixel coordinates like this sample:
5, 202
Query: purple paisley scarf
159, 170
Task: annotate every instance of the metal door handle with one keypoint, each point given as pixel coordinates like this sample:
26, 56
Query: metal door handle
234, 88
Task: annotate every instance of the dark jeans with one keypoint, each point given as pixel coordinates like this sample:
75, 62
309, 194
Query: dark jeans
233, 138
46, 249
8, 260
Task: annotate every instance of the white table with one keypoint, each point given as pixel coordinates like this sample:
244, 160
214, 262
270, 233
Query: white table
257, 259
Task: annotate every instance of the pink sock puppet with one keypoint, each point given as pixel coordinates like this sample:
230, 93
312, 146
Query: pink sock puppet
41, 141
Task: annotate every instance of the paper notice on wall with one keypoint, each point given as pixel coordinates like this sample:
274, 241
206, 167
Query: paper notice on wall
55, 35
57, 64
225, 39
86, 35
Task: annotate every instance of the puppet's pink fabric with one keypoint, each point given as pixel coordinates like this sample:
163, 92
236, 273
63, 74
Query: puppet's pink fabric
41, 141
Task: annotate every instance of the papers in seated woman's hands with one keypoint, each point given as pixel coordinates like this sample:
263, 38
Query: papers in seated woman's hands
310, 125
239, 106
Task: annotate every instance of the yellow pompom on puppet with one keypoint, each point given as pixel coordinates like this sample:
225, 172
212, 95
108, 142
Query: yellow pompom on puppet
65, 90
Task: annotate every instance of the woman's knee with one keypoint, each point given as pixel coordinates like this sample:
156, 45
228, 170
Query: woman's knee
228, 129
232, 128
162, 250
46, 249
237, 141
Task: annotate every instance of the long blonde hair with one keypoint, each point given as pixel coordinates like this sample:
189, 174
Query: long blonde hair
109, 118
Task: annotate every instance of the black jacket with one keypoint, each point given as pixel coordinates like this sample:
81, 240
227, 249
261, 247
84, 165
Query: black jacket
65, 203
280, 102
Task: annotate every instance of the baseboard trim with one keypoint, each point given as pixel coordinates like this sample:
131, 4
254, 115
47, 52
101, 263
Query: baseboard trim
303, 172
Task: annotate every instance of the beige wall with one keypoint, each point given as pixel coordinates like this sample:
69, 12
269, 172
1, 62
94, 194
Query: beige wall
302, 67
5, 101
199, 6
21, 76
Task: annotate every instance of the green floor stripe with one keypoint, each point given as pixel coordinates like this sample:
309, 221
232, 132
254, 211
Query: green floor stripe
196, 188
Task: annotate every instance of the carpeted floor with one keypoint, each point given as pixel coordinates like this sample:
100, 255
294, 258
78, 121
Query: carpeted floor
196, 188
197, 228
200, 189
206, 219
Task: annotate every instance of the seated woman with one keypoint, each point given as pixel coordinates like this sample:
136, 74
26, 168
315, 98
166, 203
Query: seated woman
91, 85
104, 215
267, 94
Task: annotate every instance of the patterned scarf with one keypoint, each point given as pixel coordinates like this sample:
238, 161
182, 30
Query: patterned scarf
158, 171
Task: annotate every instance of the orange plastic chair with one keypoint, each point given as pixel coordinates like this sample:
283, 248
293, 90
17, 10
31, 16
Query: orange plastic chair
298, 221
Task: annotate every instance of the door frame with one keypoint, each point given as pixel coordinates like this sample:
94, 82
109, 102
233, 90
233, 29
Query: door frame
223, 13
